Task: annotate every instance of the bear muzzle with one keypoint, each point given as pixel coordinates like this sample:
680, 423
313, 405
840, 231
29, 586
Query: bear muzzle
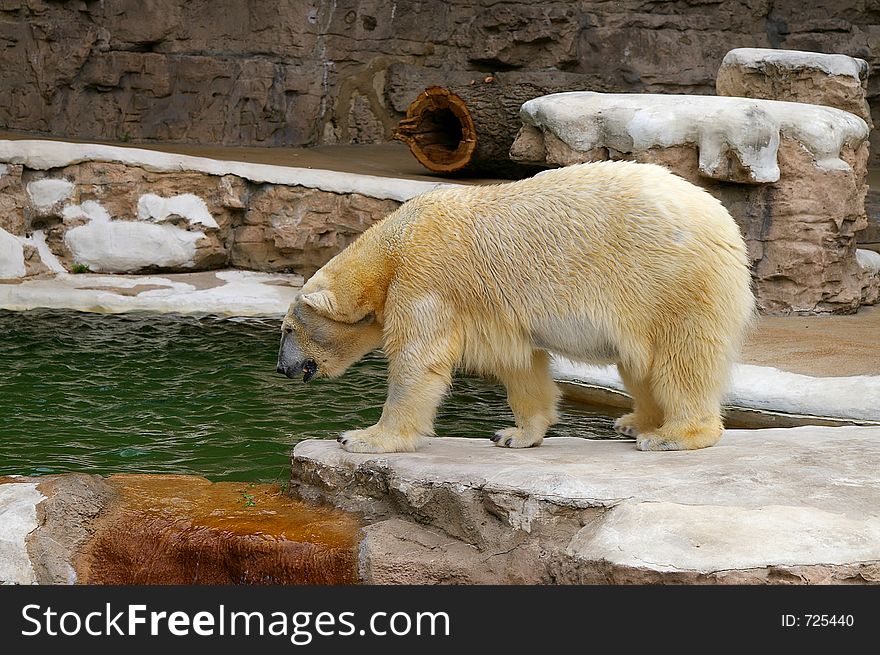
308, 368
292, 361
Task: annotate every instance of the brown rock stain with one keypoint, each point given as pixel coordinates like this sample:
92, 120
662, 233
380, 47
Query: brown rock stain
169, 529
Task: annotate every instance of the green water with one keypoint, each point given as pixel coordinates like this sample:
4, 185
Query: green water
137, 393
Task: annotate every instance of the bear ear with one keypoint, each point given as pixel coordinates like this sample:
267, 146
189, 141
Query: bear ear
328, 304
323, 302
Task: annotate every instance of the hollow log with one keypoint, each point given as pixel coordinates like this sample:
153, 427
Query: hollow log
469, 129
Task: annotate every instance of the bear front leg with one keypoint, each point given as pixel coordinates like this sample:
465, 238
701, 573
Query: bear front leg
533, 396
418, 376
407, 418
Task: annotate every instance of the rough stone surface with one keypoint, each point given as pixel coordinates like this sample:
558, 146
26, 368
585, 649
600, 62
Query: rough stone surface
294, 228
797, 505
13, 199
66, 523
798, 197
870, 236
18, 518
396, 551
792, 75
869, 261
45, 155
300, 72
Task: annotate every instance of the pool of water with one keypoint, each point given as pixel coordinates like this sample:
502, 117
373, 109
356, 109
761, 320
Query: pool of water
138, 393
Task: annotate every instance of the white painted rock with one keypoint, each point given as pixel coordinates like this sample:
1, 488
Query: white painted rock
798, 172
797, 60
855, 397
105, 245
18, 518
11, 256
721, 128
833, 80
48, 192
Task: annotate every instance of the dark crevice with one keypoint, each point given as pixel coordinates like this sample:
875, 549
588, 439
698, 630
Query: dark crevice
776, 27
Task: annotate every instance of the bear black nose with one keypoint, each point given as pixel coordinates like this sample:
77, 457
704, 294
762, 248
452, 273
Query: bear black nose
279, 369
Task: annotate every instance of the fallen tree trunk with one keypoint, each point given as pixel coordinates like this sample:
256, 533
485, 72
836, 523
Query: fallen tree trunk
469, 129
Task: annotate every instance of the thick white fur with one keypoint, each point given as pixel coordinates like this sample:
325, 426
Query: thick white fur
603, 262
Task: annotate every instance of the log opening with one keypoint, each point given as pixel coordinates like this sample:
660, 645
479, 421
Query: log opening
469, 129
439, 130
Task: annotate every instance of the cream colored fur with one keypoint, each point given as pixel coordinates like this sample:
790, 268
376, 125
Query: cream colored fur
604, 262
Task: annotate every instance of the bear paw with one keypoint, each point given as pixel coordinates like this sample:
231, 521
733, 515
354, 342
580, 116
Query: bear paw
690, 440
377, 440
626, 426
515, 438
656, 442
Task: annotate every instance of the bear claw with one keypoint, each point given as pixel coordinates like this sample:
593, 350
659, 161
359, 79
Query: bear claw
514, 438
656, 443
625, 428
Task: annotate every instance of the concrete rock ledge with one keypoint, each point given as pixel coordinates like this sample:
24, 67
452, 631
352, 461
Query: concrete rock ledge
799, 505
796, 76
108, 209
47, 155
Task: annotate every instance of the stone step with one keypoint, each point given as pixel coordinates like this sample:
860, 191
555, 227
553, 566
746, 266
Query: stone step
763, 506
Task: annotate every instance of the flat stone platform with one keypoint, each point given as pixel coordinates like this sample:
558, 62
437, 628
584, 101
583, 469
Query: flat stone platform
797, 505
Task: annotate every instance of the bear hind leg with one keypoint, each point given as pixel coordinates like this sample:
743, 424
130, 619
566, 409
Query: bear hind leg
687, 384
533, 396
647, 414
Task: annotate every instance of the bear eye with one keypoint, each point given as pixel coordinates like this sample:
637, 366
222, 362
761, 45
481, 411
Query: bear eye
287, 329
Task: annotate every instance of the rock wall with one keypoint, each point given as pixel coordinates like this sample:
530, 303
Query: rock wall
296, 72
64, 208
796, 76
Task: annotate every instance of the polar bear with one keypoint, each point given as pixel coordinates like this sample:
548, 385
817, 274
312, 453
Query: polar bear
607, 262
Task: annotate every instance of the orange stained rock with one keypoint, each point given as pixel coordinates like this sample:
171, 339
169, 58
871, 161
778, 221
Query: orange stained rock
177, 529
